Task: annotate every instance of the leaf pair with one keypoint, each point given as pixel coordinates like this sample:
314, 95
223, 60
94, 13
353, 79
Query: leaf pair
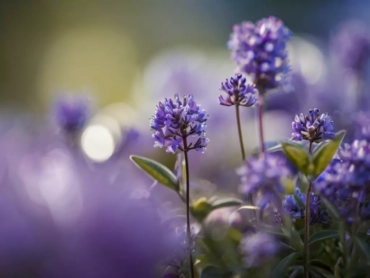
313, 165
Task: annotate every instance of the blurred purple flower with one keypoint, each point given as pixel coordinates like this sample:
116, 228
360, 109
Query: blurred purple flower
362, 119
177, 121
71, 112
263, 176
238, 92
352, 45
346, 181
292, 207
257, 248
260, 50
313, 127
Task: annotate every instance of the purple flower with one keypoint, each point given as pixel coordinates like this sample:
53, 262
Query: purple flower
257, 248
260, 50
352, 45
238, 92
296, 211
263, 177
346, 181
71, 112
179, 125
313, 127
362, 119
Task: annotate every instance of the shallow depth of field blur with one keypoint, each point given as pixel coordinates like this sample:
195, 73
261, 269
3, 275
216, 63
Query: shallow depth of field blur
73, 204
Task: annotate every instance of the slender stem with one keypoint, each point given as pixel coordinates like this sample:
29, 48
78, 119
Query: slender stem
240, 131
307, 226
188, 232
261, 101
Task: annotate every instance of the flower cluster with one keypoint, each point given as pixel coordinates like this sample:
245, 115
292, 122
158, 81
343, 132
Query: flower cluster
257, 248
263, 177
176, 121
71, 113
346, 182
238, 92
260, 50
297, 211
313, 127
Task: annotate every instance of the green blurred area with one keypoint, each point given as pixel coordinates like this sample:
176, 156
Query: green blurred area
99, 47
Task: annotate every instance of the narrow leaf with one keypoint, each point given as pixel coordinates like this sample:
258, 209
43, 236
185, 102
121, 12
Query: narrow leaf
156, 171
363, 246
211, 272
223, 203
284, 264
323, 235
297, 155
325, 152
332, 210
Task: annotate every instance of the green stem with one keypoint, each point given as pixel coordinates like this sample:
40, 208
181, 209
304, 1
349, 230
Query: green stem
307, 226
260, 119
188, 232
240, 131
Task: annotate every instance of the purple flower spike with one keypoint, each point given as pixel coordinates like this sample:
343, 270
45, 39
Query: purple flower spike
317, 214
238, 92
178, 121
263, 177
71, 112
260, 50
313, 127
346, 181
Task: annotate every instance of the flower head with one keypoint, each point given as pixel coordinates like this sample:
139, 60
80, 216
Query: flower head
238, 92
297, 211
178, 121
257, 248
313, 127
352, 45
71, 112
260, 50
346, 181
263, 176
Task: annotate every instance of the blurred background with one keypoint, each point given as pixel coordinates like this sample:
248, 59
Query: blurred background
68, 189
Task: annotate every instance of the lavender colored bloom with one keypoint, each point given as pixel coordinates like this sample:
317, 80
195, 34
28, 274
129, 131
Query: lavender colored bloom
71, 112
257, 248
263, 177
260, 50
292, 207
352, 45
346, 181
238, 92
362, 119
177, 122
313, 127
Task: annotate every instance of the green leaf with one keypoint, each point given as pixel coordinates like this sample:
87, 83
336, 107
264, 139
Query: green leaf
325, 152
296, 240
223, 203
297, 271
284, 264
297, 155
211, 272
323, 235
156, 171
331, 209
363, 246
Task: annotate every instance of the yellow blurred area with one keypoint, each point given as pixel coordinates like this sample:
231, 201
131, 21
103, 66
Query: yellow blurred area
96, 59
